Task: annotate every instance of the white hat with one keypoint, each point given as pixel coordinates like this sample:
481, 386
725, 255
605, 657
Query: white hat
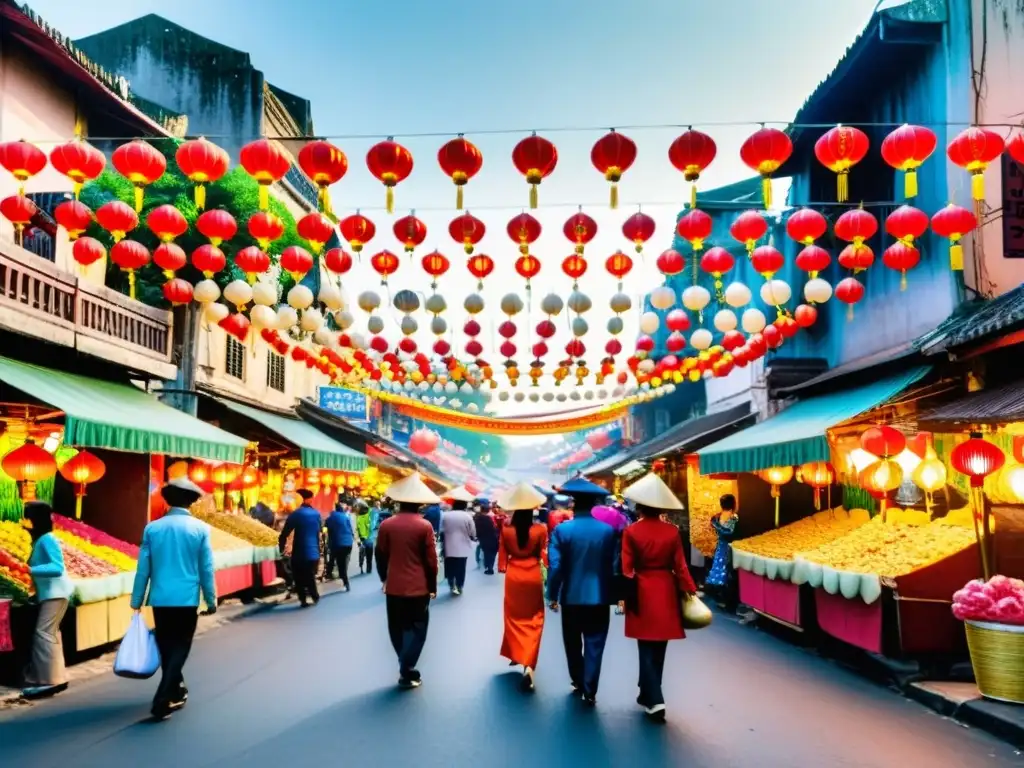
521, 496
459, 493
651, 491
411, 490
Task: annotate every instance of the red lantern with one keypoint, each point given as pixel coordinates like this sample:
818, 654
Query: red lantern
953, 222
1015, 147
435, 264
902, 258
612, 155
117, 218
977, 458
390, 163
670, 262
296, 261
316, 229
474, 348
849, 291
806, 225
29, 464
528, 267
772, 336
906, 149
170, 258
423, 442
855, 227
74, 216
691, 154
839, 150
812, 260
716, 262
764, 152
883, 441
202, 162
208, 259
906, 224
767, 260
507, 349
575, 348
507, 329
524, 230
410, 232
325, 164
546, 329
639, 228
973, 149
218, 226
357, 230
461, 161
265, 228
166, 222
22, 160
267, 162
467, 230
574, 266
694, 227
805, 316
480, 266
79, 161
87, 251
255, 262
18, 210
856, 258
385, 264
141, 164
618, 266
579, 229
534, 157
677, 320
178, 291
130, 256
613, 347
749, 227
236, 324
80, 470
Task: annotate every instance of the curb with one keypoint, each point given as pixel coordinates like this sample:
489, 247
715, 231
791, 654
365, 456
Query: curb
1004, 721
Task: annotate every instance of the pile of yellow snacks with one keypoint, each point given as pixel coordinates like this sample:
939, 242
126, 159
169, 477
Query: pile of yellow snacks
703, 495
221, 541
15, 540
803, 535
241, 527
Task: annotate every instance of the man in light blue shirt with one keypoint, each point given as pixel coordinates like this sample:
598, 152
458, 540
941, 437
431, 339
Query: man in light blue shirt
175, 564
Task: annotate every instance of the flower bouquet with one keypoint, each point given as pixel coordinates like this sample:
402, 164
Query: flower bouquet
993, 616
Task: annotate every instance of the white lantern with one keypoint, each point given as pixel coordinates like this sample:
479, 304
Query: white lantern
474, 304
548, 397
701, 339
817, 290
579, 302
725, 320
358, 340
579, 327
451, 388
551, 304
602, 394
368, 301
311, 320
775, 293
519, 397
324, 337
620, 303
238, 292
534, 397
588, 395
753, 320
286, 317
262, 316
375, 324
696, 297
574, 395
663, 297
436, 304
615, 325
737, 295
264, 294
438, 325
206, 291
649, 323
330, 297
466, 388
560, 397
409, 325
344, 319
646, 365
472, 408
511, 304
214, 313
618, 392
300, 297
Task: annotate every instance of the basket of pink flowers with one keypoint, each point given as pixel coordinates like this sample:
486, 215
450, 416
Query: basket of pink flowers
993, 616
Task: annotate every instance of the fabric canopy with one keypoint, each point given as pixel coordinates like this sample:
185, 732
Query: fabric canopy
316, 450
797, 435
104, 414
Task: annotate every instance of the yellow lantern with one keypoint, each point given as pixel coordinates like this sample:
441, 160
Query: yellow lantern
929, 476
882, 477
327, 479
1013, 482
776, 477
818, 475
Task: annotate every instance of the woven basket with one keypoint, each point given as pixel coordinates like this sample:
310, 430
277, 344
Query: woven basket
997, 655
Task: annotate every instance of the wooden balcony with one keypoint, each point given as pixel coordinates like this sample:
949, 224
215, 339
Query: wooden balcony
41, 301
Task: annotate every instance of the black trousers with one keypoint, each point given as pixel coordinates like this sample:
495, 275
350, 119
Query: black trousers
340, 556
173, 630
408, 618
652, 667
489, 557
584, 632
304, 573
366, 556
455, 571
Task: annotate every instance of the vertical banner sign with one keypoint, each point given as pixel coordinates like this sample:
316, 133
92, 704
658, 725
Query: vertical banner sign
346, 403
1013, 209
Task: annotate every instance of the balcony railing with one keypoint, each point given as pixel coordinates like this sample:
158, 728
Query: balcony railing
40, 300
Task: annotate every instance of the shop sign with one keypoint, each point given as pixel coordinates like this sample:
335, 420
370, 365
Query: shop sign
344, 402
1013, 209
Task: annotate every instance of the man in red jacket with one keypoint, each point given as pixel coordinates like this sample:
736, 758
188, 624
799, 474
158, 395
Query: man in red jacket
407, 565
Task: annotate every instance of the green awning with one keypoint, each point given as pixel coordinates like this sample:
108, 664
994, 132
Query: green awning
316, 450
797, 435
104, 414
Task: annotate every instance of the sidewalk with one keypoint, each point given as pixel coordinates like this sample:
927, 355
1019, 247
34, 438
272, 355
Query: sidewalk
963, 703
229, 611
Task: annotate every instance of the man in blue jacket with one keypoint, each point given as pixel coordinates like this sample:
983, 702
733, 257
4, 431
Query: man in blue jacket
340, 538
305, 523
176, 564
581, 563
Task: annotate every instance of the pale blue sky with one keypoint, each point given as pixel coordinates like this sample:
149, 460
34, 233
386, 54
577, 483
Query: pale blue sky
413, 66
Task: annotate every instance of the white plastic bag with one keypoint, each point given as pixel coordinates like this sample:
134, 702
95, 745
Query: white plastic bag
138, 657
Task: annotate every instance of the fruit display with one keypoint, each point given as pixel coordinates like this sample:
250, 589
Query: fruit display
15, 540
94, 536
703, 494
79, 565
115, 558
15, 580
239, 526
999, 600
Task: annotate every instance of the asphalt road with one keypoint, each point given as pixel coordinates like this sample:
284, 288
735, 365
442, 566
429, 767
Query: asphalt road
317, 687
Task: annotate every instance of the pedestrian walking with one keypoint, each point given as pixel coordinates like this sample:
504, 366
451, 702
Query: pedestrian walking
581, 562
45, 674
487, 537
654, 562
340, 539
459, 531
720, 577
407, 565
175, 565
523, 549
304, 525
559, 513
367, 522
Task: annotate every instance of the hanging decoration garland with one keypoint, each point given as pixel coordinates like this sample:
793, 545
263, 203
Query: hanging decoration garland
511, 305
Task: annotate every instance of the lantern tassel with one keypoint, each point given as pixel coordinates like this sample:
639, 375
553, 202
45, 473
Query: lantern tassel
693, 196
849, 313
76, 187
956, 257
766, 191
903, 280
78, 505
843, 186
777, 495
458, 197
264, 197
533, 196
131, 283
200, 196
817, 498
325, 202
614, 201
910, 184
389, 199
978, 185
139, 190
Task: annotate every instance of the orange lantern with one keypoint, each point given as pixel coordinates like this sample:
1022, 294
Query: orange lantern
141, 164
82, 469
410, 232
327, 479
390, 163
579, 229
79, 161
612, 155
528, 267
385, 264
267, 162
202, 162
199, 473
357, 230
435, 264
22, 160
690, 154
535, 157
325, 164
461, 161
618, 266
776, 477
882, 477
574, 266
480, 266
818, 475
467, 230
764, 152
29, 464
839, 150
906, 149
973, 149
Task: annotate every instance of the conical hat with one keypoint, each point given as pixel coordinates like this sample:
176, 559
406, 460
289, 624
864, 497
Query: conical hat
521, 496
651, 491
459, 493
411, 490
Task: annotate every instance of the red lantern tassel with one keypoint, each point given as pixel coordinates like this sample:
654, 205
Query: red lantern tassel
849, 313
389, 200
693, 196
903, 280
978, 185
766, 191
458, 197
533, 196
139, 191
264, 197
910, 184
956, 256
131, 283
78, 502
200, 194
614, 201
843, 186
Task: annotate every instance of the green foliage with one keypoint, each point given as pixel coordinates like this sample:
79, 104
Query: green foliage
237, 193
